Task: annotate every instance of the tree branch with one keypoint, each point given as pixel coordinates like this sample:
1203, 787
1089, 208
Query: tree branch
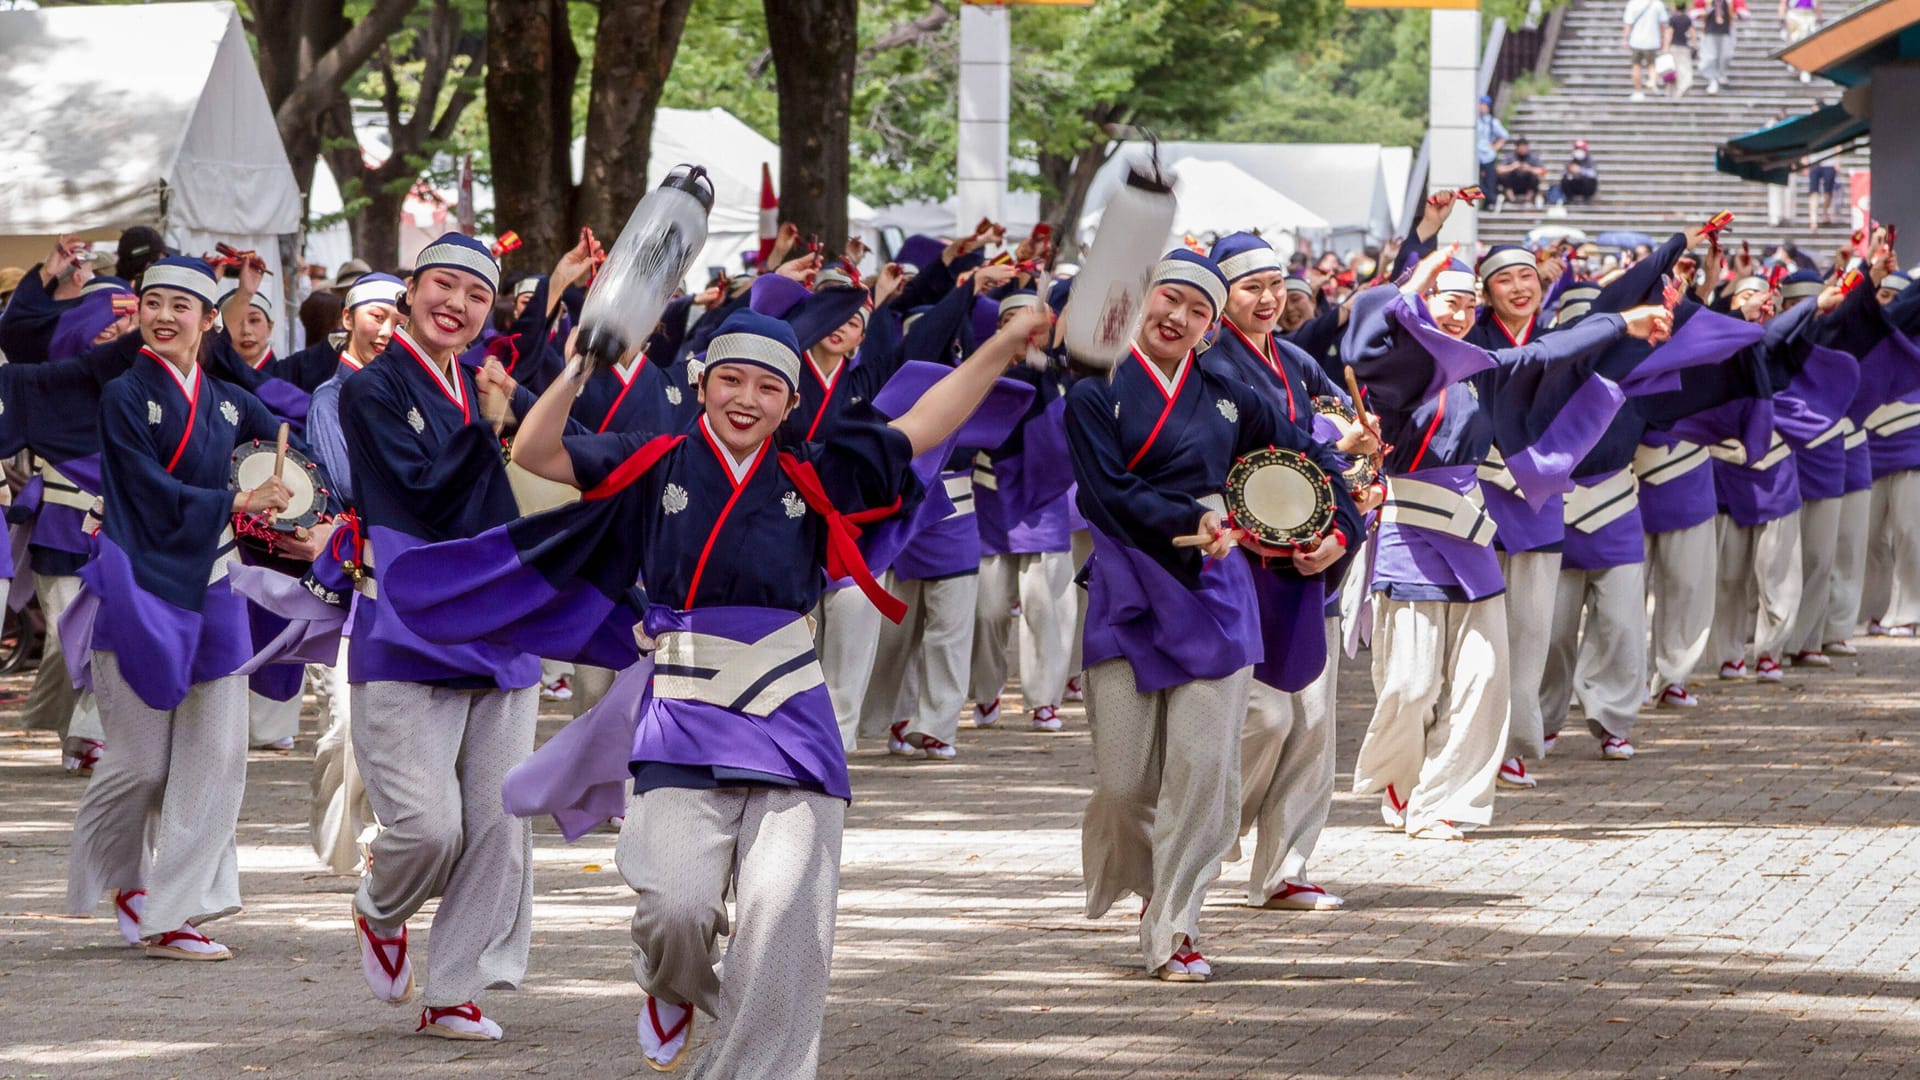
315, 90
910, 32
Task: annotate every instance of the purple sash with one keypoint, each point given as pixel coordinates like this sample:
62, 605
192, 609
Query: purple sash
387, 650
1522, 527
1293, 631
1170, 634
1417, 556
165, 649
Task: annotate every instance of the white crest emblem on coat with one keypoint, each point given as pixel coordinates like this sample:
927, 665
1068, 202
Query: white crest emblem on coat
3, 407
674, 499
1228, 410
1116, 410
796, 506
415, 421
673, 395
232, 412
153, 412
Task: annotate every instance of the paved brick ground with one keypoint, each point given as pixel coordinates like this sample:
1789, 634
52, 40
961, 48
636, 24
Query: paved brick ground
1739, 900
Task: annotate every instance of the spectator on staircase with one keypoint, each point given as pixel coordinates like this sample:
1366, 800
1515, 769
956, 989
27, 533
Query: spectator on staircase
1489, 137
1799, 18
1716, 19
1580, 180
1823, 179
1640, 34
1678, 42
1521, 176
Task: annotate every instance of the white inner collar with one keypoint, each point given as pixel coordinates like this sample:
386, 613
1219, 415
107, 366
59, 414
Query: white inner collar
452, 389
1167, 384
189, 385
737, 467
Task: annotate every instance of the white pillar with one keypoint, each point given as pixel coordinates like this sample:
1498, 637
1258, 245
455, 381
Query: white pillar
986, 53
1453, 102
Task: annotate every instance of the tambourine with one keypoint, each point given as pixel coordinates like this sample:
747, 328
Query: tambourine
251, 464
1280, 499
1361, 474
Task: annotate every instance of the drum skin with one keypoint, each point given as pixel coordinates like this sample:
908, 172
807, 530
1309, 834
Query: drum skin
1281, 499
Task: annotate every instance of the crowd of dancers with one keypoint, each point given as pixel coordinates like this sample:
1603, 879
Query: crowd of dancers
814, 513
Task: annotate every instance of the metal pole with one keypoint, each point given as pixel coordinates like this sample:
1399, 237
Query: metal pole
986, 54
1452, 89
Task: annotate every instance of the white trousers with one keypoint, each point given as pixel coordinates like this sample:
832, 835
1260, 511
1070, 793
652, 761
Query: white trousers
1819, 547
433, 761
778, 851
847, 634
1286, 774
1681, 567
1166, 798
269, 721
1533, 580
920, 665
1042, 585
1849, 566
1892, 592
1082, 551
1601, 659
339, 816
1759, 588
161, 810
1439, 726
54, 704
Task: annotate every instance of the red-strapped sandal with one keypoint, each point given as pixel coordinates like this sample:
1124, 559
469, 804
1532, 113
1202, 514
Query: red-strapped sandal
1298, 896
1185, 965
186, 943
384, 963
127, 907
1393, 809
657, 1039
462, 1021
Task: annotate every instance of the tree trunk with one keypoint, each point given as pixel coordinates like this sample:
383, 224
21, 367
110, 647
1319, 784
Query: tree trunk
531, 64
813, 44
376, 229
290, 38
632, 55
308, 50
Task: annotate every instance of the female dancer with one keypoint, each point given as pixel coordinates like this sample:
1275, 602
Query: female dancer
740, 780
157, 823
1171, 641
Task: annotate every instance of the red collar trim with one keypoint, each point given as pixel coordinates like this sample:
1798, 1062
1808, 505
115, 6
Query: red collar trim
458, 400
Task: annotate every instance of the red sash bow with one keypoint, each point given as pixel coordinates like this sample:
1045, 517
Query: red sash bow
843, 535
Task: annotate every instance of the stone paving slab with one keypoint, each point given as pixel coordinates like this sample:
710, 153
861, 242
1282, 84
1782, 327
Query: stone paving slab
1740, 900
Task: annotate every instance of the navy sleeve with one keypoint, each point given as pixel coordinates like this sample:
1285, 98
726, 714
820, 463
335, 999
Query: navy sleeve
168, 528
27, 324
1116, 501
865, 466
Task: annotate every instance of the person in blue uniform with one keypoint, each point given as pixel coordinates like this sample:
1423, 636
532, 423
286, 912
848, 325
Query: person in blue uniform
156, 826
726, 729
1440, 643
51, 509
1172, 636
1287, 743
339, 814
46, 291
436, 727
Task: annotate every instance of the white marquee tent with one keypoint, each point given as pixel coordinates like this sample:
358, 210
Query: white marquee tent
1218, 197
138, 115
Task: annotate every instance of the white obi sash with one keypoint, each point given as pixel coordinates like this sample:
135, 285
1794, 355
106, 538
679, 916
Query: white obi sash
754, 678
1893, 418
57, 490
1494, 471
1657, 465
1592, 508
1422, 505
1733, 452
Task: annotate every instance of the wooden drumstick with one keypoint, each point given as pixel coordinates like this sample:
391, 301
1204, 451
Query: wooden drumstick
280, 455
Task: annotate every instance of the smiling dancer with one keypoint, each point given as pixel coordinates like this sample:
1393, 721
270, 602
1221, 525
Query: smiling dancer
1286, 746
1172, 635
727, 730
436, 727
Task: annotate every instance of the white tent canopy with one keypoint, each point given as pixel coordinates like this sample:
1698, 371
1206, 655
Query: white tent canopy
1353, 187
1218, 197
138, 115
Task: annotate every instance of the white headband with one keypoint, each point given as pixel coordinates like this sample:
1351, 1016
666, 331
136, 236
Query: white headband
738, 348
1251, 261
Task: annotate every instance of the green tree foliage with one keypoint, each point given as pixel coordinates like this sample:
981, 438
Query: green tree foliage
1364, 81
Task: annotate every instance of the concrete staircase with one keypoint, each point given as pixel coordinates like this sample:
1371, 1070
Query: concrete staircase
1656, 156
